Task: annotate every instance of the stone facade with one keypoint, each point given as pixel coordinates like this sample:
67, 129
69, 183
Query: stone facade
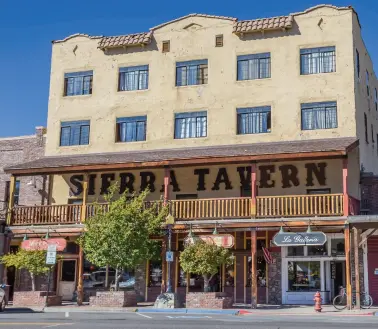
140, 281
114, 299
209, 300
23, 281
35, 298
274, 283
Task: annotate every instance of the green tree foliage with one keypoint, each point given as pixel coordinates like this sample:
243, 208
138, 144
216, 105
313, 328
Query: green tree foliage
204, 259
120, 236
33, 261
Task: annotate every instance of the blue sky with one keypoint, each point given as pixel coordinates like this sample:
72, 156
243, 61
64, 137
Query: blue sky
28, 27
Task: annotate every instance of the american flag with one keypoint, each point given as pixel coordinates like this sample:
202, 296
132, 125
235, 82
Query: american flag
267, 256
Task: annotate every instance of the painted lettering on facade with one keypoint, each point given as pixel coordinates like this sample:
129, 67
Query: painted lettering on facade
315, 172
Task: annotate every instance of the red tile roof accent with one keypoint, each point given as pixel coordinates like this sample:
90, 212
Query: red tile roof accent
128, 40
264, 24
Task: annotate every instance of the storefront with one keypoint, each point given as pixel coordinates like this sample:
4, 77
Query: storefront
308, 269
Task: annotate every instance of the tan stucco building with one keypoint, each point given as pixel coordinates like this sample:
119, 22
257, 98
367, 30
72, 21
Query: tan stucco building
265, 122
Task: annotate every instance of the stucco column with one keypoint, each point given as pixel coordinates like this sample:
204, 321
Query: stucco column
347, 267
254, 268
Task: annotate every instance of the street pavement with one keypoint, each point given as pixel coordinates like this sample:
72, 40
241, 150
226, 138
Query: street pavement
132, 320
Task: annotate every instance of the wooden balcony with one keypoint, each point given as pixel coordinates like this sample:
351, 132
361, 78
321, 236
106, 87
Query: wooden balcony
197, 209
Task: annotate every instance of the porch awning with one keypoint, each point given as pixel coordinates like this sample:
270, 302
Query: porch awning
294, 150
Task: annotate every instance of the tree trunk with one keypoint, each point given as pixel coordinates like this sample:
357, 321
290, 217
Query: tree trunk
116, 281
206, 283
32, 276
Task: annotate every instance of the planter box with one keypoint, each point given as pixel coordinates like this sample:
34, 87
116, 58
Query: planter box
209, 300
114, 299
35, 298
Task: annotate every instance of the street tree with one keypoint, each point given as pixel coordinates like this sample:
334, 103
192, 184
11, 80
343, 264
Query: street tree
120, 236
33, 261
204, 259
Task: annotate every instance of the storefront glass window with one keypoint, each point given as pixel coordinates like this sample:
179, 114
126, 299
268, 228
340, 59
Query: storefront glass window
261, 272
155, 273
317, 250
304, 276
230, 276
295, 251
338, 247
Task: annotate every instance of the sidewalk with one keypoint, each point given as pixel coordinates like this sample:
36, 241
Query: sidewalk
243, 310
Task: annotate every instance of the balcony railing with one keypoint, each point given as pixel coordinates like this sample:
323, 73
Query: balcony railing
197, 209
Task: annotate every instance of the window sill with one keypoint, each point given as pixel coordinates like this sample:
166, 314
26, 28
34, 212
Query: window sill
253, 134
73, 146
312, 74
191, 86
131, 91
190, 138
132, 142
77, 96
254, 80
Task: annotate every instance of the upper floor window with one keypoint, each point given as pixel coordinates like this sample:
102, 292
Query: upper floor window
319, 115
358, 63
78, 83
367, 83
74, 133
372, 134
255, 120
133, 78
132, 129
16, 194
366, 129
191, 125
251, 67
376, 99
191, 73
318, 60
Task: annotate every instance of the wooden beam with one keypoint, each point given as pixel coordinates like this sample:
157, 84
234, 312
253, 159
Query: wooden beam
166, 185
356, 233
85, 198
345, 187
254, 268
178, 162
366, 235
253, 189
348, 268
12, 189
80, 285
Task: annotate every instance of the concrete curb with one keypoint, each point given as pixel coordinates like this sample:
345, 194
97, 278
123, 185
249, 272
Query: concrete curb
187, 311
332, 314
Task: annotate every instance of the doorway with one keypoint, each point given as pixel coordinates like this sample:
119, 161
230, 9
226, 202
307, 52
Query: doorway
337, 277
67, 279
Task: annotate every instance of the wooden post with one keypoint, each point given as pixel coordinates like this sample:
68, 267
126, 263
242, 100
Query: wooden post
347, 267
12, 189
80, 285
356, 233
166, 185
345, 187
85, 197
50, 189
253, 190
254, 268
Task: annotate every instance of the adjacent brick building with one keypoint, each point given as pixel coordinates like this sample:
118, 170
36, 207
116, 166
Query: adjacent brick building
30, 191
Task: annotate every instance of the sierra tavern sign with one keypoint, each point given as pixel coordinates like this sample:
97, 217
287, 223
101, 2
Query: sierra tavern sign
314, 173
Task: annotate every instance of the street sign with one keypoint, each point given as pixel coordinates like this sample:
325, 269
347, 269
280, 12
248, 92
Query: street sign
169, 256
51, 254
285, 239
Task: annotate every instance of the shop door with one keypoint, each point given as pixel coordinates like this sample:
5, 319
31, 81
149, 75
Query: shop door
67, 281
337, 277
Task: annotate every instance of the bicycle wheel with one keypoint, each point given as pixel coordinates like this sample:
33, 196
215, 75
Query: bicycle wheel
340, 302
366, 301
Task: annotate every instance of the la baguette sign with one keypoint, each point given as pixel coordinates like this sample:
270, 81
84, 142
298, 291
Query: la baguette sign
293, 239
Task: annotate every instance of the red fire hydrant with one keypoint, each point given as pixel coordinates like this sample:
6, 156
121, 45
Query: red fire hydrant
318, 302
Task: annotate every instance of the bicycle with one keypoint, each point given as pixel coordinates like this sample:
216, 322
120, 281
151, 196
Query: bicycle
340, 301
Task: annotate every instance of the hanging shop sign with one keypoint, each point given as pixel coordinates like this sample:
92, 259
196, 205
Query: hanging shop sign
293, 239
221, 240
39, 244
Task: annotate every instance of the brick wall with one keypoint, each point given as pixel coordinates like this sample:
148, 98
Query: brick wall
35, 298
17, 150
209, 300
114, 299
369, 194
